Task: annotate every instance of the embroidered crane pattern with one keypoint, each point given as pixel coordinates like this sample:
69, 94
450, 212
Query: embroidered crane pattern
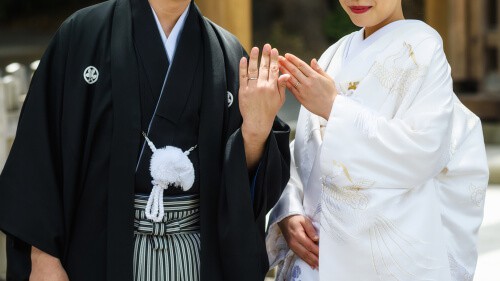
347, 217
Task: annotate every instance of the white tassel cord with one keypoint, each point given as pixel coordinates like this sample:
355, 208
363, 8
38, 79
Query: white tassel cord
169, 166
154, 209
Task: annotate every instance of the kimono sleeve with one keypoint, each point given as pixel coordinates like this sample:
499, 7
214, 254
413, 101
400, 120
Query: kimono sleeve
31, 210
402, 152
290, 203
462, 188
241, 221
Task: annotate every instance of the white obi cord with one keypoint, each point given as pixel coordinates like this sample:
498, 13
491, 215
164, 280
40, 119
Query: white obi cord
169, 166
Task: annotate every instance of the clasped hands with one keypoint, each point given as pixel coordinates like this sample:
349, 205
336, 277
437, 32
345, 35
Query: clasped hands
262, 88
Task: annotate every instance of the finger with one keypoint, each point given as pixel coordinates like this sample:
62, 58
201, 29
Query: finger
264, 63
300, 64
283, 70
309, 244
295, 92
295, 83
310, 230
282, 86
292, 69
253, 70
311, 259
274, 69
243, 73
317, 68
289, 82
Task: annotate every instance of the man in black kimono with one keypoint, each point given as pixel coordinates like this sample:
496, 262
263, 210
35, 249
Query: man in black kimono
67, 190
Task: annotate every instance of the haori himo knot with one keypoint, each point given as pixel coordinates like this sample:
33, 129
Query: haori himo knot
169, 166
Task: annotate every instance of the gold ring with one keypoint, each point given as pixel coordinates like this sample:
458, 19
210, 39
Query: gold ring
252, 78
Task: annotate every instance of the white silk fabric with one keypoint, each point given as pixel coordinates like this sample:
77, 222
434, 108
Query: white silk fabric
395, 183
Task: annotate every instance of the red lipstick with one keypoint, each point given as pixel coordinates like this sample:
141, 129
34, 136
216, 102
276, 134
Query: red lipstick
360, 9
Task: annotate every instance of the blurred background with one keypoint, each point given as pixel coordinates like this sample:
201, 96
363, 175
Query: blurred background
470, 29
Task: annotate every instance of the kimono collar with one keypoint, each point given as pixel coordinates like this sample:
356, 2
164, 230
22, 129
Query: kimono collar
171, 42
358, 43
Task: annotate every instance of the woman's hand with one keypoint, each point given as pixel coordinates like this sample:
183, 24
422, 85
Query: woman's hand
261, 95
302, 238
310, 85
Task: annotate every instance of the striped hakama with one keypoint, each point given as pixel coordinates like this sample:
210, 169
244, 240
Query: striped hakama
168, 250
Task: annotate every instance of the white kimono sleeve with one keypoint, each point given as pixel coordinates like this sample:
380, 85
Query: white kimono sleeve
402, 152
290, 203
461, 189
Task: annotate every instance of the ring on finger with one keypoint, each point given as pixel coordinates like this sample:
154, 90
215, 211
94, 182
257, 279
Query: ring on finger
252, 78
297, 84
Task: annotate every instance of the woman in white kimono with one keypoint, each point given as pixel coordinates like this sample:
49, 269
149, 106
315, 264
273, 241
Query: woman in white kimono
389, 170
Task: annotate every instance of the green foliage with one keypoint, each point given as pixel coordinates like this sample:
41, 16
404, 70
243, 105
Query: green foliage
337, 24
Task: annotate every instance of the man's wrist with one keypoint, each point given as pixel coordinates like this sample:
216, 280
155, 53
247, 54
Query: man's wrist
255, 135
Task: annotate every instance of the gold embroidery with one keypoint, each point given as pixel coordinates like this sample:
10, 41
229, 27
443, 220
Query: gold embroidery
351, 194
411, 52
353, 86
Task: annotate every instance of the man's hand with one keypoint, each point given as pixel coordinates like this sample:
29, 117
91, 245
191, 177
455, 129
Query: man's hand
302, 238
45, 267
261, 95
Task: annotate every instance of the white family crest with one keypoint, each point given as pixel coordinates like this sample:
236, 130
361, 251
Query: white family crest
91, 75
230, 99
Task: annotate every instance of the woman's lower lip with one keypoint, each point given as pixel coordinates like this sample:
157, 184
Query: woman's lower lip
360, 9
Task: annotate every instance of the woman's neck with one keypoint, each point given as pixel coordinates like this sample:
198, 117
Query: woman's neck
396, 15
169, 12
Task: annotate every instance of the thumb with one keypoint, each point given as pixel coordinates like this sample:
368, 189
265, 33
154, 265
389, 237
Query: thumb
282, 85
317, 68
310, 230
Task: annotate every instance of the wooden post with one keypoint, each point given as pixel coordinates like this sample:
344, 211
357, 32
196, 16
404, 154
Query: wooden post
233, 15
436, 15
477, 34
457, 38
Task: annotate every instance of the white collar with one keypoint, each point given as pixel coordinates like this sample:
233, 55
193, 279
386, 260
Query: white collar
358, 42
171, 42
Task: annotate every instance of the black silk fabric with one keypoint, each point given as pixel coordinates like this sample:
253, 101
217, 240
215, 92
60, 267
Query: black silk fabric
68, 185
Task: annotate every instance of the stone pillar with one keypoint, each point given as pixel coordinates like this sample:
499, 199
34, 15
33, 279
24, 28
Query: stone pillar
233, 15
